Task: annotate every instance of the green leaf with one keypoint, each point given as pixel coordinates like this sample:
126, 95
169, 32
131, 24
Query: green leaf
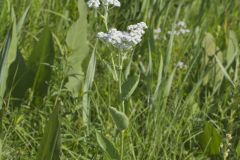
129, 87
107, 147
50, 144
7, 57
119, 118
40, 62
210, 140
22, 20
78, 44
233, 48
209, 44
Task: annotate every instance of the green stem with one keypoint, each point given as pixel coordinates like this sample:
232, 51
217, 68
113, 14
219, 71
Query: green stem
106, 17
122, 145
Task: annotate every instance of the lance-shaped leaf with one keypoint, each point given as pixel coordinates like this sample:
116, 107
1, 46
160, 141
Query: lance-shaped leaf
107, 147
50, 144
119, 118
40, 62
7, 57
78, 45
129, 87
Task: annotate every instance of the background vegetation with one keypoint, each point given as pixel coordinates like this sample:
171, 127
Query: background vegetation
56, 83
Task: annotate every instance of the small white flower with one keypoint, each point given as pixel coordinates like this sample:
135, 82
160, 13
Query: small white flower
181, 65
181, 24
93, 4
115, 3
181, 29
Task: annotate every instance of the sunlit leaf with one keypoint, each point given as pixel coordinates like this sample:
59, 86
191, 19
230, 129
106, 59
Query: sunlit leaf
120, 119
78, 44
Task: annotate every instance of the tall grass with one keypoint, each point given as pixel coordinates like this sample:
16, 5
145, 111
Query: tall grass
62, 97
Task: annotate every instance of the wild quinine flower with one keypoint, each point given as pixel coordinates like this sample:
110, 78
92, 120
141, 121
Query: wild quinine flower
122, 39
93, 4
181, 29
96, 3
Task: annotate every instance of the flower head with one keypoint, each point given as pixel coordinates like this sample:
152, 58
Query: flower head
93, 4
122, 39
96, 3
115, 3
181, 29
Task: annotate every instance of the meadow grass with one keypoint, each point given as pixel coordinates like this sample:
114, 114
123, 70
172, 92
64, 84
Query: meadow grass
68, 95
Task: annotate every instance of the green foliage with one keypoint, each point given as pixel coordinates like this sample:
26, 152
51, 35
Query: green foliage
50, 144
120, 119
129, 86
107, 147
77, 42
161, 106
210, 140
40, 62
8, 55
20, 79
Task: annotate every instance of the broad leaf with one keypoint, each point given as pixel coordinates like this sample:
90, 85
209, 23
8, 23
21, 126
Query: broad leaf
210, 140
50, 144
120, 119
77, 43
107, 147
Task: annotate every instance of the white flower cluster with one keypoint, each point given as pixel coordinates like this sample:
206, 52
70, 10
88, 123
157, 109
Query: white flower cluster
124, 40
96, 3
93, 3
115, 3
181, 65
181, 29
